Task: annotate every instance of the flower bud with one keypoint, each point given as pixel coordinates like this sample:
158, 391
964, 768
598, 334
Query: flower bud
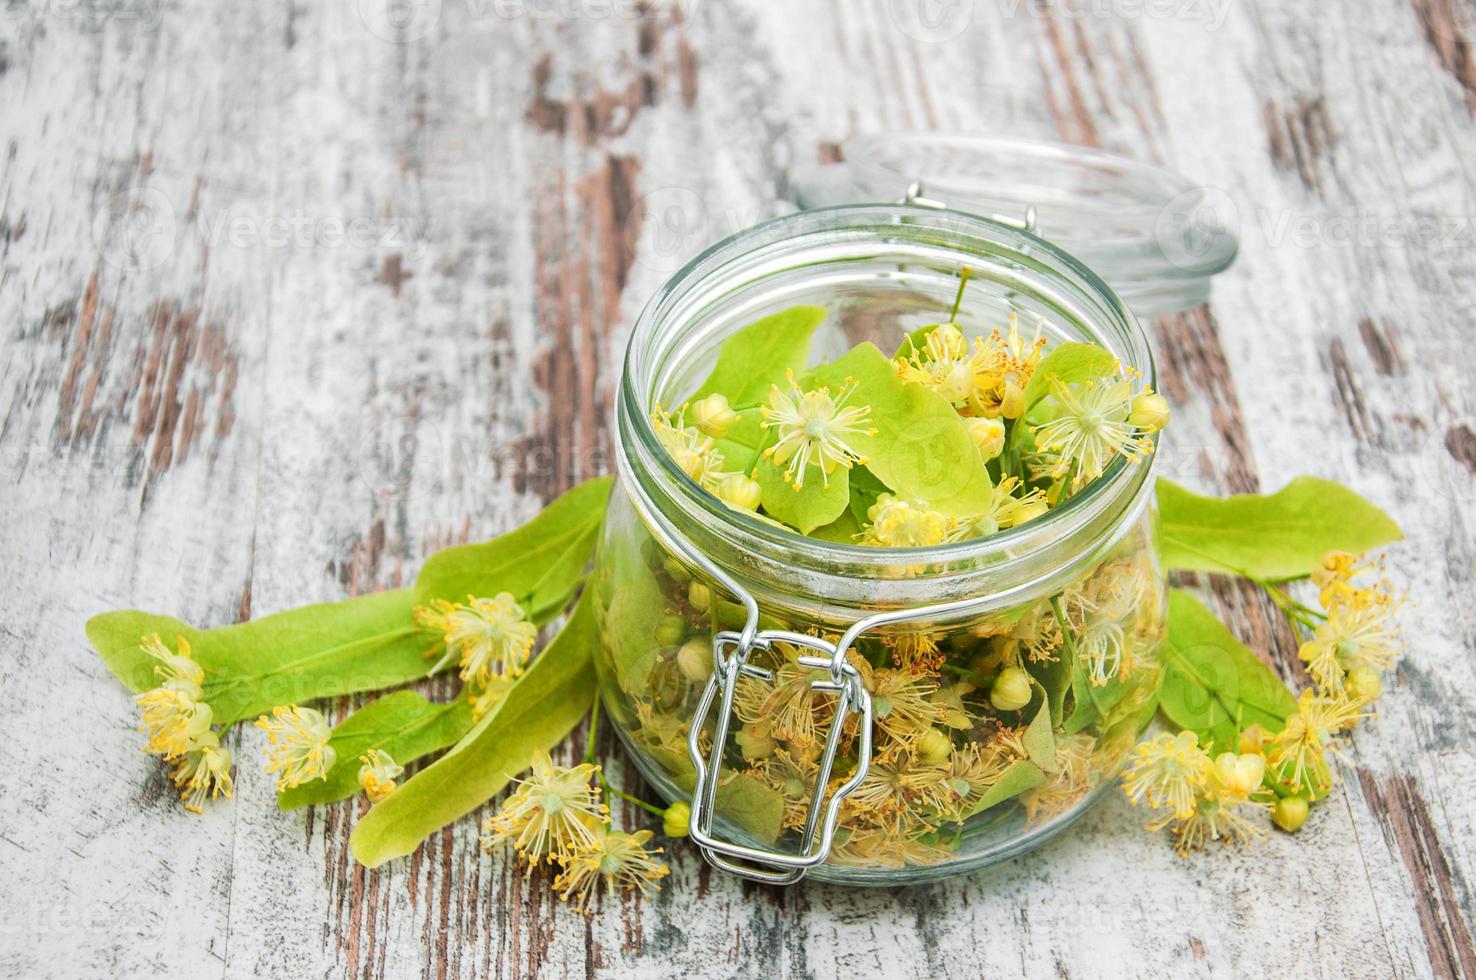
739, 491
1011, 690
1290, 813
934, 746
1365, 683
1253, 740
1031, 509
1240, 775
694, 660
700, 596
671, 630
1012, 402
755, 741
675, 569
677, 819
713, 416
988, 435
1150, 411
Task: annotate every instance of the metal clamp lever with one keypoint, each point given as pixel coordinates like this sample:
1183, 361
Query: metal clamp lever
730, 655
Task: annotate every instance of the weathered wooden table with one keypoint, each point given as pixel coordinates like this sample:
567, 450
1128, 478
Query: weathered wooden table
293, 294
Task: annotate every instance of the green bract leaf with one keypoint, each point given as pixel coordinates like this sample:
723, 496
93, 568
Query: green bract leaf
742, 799
540, 563
1039, 740
806, 508
1019, 778
1070, 361
632, 607
842, 530
921, 449
313, 652
536, 713
1273, 537
758, 355
1212, 685
1055, 677
403, 724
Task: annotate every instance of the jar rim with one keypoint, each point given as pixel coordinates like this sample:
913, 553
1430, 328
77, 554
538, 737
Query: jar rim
1126, 480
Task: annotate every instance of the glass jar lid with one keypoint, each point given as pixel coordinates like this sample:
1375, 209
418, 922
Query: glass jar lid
1154, 236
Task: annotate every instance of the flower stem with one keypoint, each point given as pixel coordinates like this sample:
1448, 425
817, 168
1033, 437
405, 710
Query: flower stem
649, 808
963, 280
594, 730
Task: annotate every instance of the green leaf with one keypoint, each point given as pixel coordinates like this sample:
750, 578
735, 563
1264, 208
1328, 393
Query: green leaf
842, 530
1212, 684
1020, 777
1070, 362
921, 449
1040, 741
301, 655
808, 507
1272, 537
632, 606
403, 724
757, 356
541, 563
1055, 677
1083, 708
537, 712
742, 799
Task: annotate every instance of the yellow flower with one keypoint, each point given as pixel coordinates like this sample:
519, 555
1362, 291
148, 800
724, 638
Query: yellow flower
378, 773
491, 637
1072, 779
203, 772
298, 750
896, 523
794, 779
487, 695
787, 703
1353, 637
888, 847
900, 782
554, 813
972, 770
988, 435
1091, 428
1005, 510
1167, 772
173, 714
693, 450
918, 653
814, 428
947, 364
1297, 753
1002, 393
621, 859
1215, 819
173, 721
901, 703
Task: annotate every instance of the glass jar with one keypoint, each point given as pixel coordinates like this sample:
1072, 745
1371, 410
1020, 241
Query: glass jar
719, 631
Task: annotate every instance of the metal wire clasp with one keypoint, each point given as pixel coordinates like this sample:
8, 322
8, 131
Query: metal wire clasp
731, 651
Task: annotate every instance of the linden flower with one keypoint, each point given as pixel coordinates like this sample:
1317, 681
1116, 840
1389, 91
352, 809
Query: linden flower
794, 778
787, 703
972, 770
899, 781
553, 813
901, 703
1353, 637
203, 772
813, 428
1297, 753
1001, 392
693, 450
487, 695
1092, 428
1072, 780
173, 720
1005, 510
947, 364
491, 637
888, 848
298, 750
1334, 580
1215, 819
1168, 772
173, 714
378, 773
621, 859
898, 524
